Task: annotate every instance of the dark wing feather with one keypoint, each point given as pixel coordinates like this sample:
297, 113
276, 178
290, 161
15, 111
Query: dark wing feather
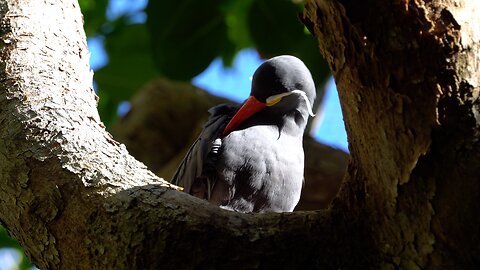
194, 174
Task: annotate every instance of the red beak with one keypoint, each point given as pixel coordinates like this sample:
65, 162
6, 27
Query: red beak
251, 107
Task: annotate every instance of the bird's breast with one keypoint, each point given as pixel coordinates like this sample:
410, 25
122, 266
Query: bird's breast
263, 170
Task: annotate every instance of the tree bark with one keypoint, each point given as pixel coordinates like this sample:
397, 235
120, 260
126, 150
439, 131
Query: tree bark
407, 74
407, 77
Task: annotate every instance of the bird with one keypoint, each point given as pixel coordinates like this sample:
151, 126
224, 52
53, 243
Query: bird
249, 158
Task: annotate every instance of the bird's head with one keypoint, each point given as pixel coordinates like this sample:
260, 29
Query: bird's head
283, 83
282, 76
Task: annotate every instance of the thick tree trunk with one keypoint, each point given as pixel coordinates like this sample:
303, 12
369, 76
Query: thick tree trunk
407, 77
407, 74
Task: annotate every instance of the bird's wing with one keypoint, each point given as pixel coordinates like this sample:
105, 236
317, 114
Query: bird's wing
196, 172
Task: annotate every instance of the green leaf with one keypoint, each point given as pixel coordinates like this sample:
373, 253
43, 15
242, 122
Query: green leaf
236, 16
186, 35
274, 26
8, 242
93, 15
276, 30
130, 67
307, 50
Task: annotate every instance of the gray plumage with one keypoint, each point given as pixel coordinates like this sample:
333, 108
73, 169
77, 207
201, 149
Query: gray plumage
259, 166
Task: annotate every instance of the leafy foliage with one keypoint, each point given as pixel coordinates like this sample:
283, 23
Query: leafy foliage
93, 15
131, 65
238, 34
186, 35
7, 242
181, 38
274, 26
275, 29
